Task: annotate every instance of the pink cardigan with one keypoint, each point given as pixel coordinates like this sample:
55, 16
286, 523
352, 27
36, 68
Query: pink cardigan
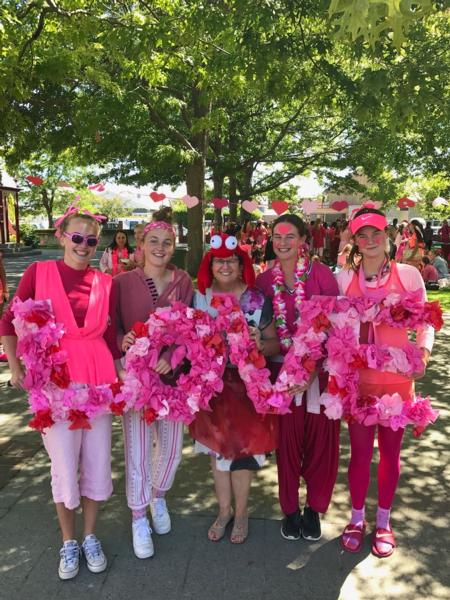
135, 302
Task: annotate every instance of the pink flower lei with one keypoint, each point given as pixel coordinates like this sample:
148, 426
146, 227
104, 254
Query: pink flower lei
52, 396
279, 305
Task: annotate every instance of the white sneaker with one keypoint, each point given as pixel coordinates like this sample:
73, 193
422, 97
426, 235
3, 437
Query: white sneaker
160, 516
95, 557
69, 565
142, 538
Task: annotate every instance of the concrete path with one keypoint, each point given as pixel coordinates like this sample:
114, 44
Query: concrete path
186, 565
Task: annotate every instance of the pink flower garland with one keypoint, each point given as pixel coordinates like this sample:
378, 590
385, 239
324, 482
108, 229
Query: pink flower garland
279, 305
345, 356
52, 397
194, 334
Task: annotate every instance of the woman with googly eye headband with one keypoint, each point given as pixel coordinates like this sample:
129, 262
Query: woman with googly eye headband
232, 433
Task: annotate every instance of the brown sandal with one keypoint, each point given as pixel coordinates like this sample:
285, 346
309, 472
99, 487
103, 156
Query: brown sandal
217, 529
239, 532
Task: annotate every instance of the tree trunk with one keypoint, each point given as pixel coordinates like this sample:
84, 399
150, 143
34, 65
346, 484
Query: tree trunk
47, 203
195, 184
233, 198
246, 190
218, 180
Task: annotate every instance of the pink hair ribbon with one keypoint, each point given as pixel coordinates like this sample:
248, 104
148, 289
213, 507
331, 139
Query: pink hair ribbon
159, 225
74, 209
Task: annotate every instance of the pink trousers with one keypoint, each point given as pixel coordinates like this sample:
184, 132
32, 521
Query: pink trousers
389, 445
152, 455
80, 461
308, 447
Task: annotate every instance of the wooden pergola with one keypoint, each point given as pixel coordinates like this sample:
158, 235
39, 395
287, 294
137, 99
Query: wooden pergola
9, 195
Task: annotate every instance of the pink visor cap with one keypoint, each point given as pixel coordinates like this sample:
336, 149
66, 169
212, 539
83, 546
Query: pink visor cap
368, 220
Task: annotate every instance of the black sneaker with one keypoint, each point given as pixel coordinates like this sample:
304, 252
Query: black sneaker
291, 526
311, 525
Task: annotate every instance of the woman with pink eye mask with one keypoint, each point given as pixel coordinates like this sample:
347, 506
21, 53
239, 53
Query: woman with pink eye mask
308, 440
373, 275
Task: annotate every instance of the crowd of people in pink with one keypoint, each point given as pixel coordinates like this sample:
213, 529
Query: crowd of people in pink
269, 275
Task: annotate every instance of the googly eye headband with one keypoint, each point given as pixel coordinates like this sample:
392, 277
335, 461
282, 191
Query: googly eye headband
224, 246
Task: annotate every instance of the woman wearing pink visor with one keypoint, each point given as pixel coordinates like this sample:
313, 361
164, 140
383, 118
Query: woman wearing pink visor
374, 276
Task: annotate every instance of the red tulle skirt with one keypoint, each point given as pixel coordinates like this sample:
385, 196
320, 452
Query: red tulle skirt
233, 428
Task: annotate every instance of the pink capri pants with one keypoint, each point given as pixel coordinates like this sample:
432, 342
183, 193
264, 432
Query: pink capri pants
80, 461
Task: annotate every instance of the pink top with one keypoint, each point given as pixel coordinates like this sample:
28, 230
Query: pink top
77, 287
318, 236
320, 282
135, 301
429, 273
407, 278
89, 359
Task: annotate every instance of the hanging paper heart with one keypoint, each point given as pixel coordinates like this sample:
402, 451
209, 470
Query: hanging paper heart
96, 187
34, 180
250, 206
190, 201
309, 206
220, 202
439, 201
339, 205
280, 206
157, 197
405, 203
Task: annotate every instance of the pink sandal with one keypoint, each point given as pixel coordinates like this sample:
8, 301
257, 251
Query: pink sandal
383, 536
352, 537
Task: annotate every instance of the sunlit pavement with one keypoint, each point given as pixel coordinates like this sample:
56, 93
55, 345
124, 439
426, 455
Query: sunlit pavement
186, 565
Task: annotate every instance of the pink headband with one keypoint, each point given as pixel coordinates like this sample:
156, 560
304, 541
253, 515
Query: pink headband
73, 210
160, 225
368, 219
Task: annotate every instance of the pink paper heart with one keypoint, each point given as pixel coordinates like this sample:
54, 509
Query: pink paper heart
157, 197
220, 202
405, 203
190, 201
280, 206
309, 206
249, 205
339, 205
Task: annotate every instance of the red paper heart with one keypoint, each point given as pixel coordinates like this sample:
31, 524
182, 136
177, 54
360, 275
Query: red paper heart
405, 203
280, 206
157, 197
220, 202
339, 205
34, 180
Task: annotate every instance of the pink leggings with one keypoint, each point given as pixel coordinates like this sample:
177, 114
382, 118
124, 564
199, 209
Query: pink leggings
389, 444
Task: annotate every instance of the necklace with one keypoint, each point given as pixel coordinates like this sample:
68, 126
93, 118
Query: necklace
279, 305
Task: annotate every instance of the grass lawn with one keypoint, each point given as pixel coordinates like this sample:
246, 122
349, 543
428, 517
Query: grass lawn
442, 295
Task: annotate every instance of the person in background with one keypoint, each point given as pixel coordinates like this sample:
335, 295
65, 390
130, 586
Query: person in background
415, 247
439, 263
318, 233
342, 260
137, 257
428, 236
444, 238
4, 297
116, 257
429, 272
